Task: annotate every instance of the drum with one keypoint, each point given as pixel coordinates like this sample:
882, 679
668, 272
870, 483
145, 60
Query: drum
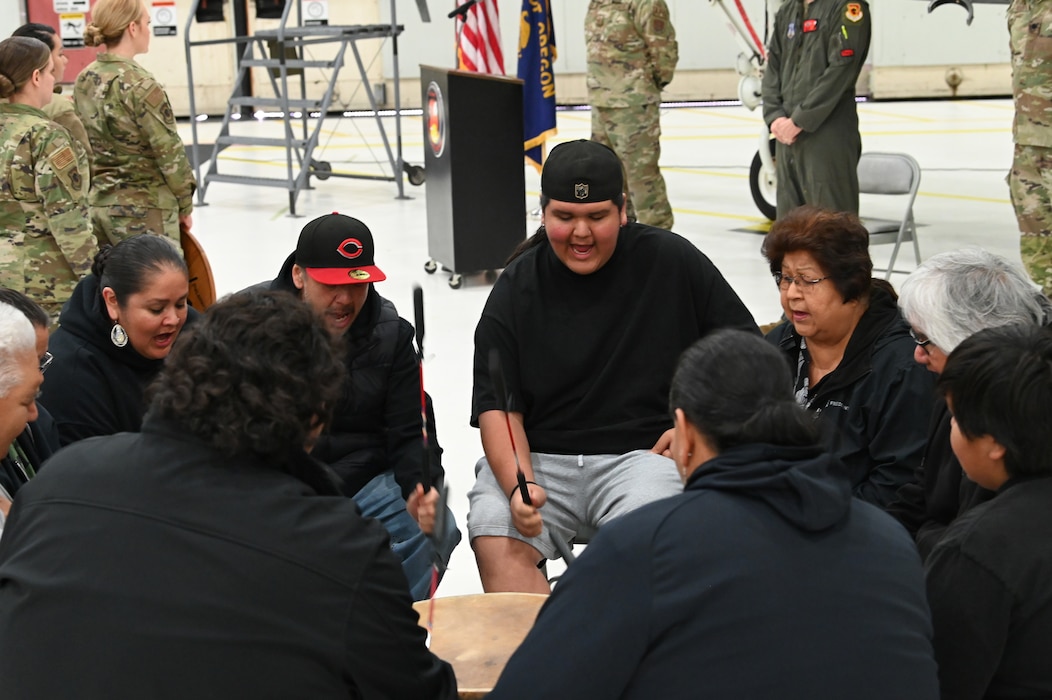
477, 634
202, 284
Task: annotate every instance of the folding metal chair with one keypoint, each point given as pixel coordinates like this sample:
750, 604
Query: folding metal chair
891, 174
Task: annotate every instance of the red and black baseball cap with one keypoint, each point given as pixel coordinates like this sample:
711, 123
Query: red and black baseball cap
336, 249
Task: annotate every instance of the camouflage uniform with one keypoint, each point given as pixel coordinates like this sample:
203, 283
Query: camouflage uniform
632, 54
48, 244
814, 56
61, 111
1030, 180
141, 180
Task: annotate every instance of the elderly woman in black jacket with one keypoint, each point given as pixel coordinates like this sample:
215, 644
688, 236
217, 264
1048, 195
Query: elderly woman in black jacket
849, 349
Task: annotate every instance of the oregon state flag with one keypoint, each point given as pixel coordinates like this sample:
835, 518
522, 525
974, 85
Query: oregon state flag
536, 56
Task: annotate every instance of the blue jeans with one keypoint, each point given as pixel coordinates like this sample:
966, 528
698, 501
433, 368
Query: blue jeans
382, 499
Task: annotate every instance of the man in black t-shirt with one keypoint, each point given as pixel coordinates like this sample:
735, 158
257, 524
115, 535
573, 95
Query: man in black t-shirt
588, 321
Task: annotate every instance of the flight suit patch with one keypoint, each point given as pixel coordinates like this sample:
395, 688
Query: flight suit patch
853, 12
810, 25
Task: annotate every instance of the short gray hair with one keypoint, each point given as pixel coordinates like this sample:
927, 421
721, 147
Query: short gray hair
17, 337
956, 294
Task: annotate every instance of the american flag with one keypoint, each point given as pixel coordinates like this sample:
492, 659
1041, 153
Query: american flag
479, 48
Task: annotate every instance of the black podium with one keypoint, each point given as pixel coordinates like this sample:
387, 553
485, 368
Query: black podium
473, 157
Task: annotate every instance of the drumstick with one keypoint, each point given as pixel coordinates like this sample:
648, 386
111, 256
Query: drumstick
418, 315
497, 378
440, 521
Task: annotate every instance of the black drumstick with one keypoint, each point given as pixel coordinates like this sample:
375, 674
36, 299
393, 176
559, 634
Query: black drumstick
497, 377
418, 315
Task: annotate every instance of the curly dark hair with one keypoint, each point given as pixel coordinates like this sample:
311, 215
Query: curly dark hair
837, 241
255, 375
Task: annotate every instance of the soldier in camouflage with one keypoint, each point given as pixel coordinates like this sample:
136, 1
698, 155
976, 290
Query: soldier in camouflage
48, 244
632, 55
141, 180
60, 109
1030, 180
814, 56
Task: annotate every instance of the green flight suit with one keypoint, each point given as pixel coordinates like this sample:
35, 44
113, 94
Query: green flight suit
814, 57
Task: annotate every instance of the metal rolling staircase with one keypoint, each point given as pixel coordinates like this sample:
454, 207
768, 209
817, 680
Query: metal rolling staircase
281, 52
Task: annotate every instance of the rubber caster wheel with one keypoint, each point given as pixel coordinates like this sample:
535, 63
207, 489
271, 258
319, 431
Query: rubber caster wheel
456, 282
430, 266
763, 186
416, 174
321, 169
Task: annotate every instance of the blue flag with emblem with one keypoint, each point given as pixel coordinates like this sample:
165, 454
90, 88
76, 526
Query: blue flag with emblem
536, 56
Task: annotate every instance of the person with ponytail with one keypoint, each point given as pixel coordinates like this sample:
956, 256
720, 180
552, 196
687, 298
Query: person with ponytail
115, 334
141, 179
763, 579
46, 234
60, 109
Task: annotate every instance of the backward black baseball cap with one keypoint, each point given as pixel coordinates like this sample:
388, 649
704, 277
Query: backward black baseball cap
582, 171
338, 249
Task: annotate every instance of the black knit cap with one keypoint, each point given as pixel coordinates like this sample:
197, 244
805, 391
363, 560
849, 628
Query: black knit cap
582, 171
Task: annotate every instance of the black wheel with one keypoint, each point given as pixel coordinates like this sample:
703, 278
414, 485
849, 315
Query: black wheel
763, 186
416, 174
456, 282
321, 169
430, 266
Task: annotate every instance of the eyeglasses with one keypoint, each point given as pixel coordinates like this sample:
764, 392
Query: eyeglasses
802, 283
45, 361
921, 340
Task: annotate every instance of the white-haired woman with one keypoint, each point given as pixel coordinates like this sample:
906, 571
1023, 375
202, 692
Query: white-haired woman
20, 378
949, 298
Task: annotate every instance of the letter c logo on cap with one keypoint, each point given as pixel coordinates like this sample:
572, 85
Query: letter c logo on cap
351, 248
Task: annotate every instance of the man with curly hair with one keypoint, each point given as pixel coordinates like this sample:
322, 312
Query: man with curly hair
210, 555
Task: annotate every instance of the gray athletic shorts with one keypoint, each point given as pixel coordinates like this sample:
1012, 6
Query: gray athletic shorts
584, 492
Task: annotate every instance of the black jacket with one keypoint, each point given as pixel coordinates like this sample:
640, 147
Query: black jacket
764, 579
940, 491
151, 566
93, 387
990, 588
875, 406
376, 425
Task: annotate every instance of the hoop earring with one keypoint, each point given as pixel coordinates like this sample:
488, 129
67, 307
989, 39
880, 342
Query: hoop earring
118, 336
